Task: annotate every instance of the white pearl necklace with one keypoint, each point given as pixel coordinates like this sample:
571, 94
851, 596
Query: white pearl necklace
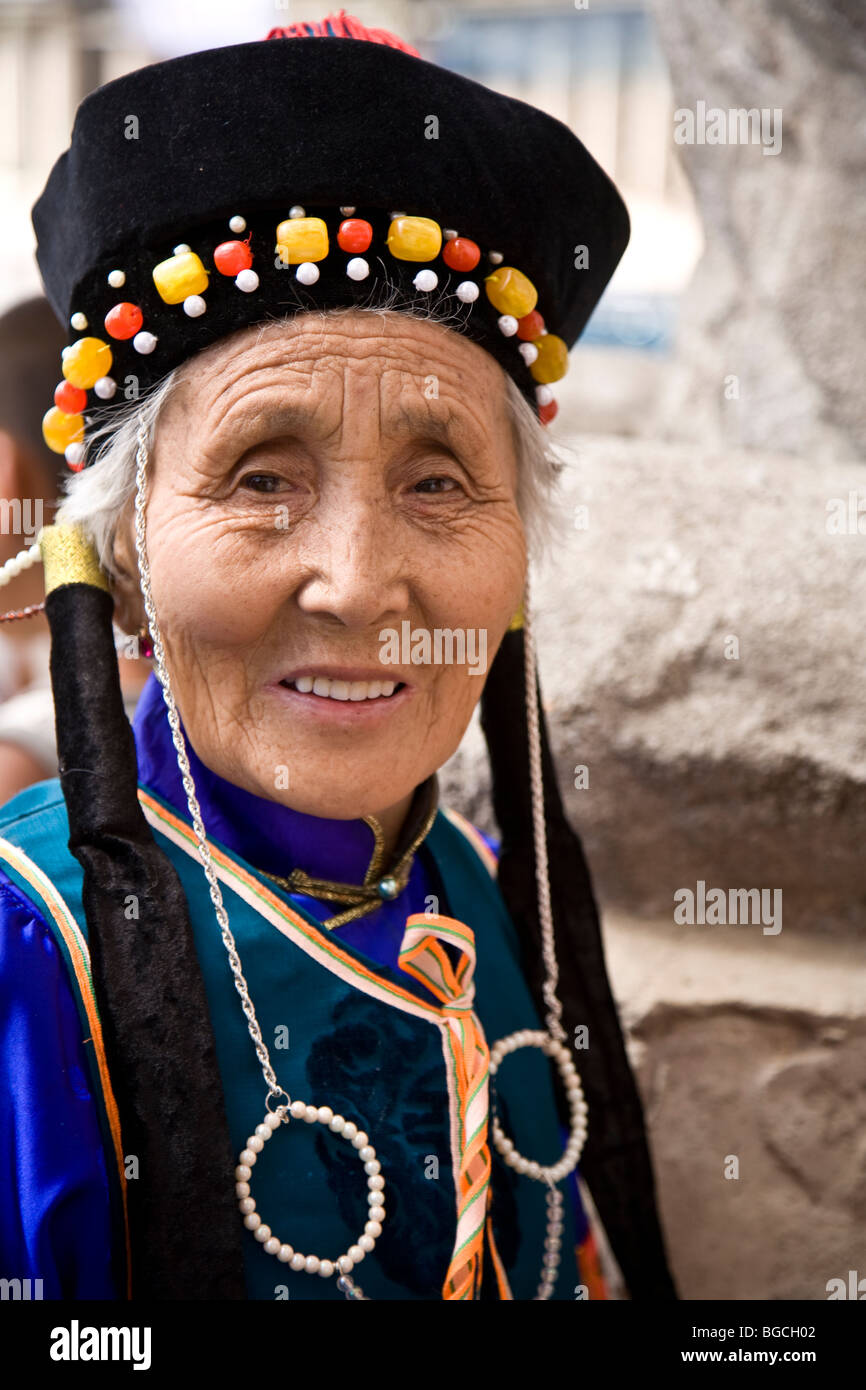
16, 564
552, 1173
312, 1264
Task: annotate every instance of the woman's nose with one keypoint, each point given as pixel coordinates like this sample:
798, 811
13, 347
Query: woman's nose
354, 563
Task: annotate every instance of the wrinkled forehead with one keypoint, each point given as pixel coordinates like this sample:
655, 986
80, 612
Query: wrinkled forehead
402, 371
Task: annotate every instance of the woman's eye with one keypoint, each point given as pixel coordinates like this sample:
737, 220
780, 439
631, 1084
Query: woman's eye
261, 482
434, 485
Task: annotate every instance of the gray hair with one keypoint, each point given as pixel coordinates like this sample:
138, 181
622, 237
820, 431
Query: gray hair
97, 497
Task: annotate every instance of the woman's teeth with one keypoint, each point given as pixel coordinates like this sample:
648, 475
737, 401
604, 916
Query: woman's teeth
343, 690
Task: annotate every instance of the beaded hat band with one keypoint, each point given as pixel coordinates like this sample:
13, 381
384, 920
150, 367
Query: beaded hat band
125, 322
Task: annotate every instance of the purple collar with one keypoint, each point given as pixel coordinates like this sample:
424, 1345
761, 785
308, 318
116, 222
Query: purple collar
271, 837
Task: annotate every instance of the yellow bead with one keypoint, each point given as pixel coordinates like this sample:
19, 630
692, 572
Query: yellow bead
86, 361
179, 277
60, 430
552, 360
302, 239
510, 291
414, 238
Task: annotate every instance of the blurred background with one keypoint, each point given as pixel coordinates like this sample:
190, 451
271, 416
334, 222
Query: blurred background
700, 623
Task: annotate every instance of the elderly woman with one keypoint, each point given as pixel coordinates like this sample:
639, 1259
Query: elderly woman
261, 990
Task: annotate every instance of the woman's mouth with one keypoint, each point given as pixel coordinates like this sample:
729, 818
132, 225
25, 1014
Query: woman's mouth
329, 689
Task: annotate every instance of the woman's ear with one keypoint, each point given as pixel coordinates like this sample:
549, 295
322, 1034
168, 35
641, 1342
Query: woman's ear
129, 612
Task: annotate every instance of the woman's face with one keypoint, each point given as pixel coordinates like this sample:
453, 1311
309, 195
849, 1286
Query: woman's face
314, 484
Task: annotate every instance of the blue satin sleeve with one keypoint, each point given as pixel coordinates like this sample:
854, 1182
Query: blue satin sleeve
55, 1220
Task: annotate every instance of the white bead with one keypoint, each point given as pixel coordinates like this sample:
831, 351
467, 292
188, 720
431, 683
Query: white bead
237, 224
263, 1132
356, 1254
529, 352
297, 1109
494, 257
144, 343
285, 1252
467, 291
507, 325
350, 1129
376, 1182
324, 1114
180, 248
373, 1228
311, 1115
543, 395
426, 280
448, 233
255, 1144
297, 211
12, 568
247, 1205
372, 1166
392, 215
375, 1199
116, 278
194, 305
307, 272
312, 1264
533, 1170
105, 387
243, 1172
298, 1261
249, 1157
367, 1243
75, 453
79, 322
357, 268
252, 1220
337, 1124
273, 1122
345, 1264
272, 1246
242, 1189
367, 1154
247, 280
360, 1141
379, 1213
326, 1269
347, 211
262, 1233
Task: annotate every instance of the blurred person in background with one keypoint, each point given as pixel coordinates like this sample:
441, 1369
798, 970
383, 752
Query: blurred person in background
31, 340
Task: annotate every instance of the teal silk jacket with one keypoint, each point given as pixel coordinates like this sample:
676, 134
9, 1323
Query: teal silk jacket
367, 1039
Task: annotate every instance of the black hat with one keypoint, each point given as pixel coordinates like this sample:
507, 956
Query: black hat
168, 156
158, 229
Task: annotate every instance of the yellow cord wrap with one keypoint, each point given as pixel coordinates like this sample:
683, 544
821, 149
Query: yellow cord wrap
517, 621
69, 558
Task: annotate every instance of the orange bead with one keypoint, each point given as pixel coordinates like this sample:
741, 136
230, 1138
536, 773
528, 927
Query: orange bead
123, 321
70, 399
231, 257
530, 326
461, 254
355, 235
510, 291
86, 361
552, 360
59, 430
547, 412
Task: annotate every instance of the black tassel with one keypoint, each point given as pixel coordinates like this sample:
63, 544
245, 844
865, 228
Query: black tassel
185, 1232
615, 1161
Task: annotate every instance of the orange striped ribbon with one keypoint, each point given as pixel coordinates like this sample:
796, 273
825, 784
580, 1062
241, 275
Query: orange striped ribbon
423, 956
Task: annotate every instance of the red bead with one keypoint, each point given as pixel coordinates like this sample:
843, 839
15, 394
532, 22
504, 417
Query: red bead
70, 399
530, 326
231, 257
76, 467
354, 235
461, 254
123, 321
547, 412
